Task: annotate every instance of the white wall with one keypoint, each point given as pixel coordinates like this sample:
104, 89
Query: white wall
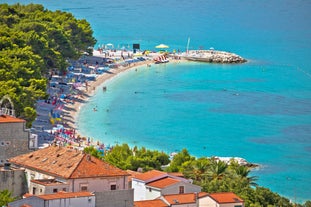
139, 190
152, 193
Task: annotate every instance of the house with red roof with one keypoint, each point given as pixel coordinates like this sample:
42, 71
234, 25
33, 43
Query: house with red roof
185, 200
201, 199
226, 199
54, 169
151, 203
154, 183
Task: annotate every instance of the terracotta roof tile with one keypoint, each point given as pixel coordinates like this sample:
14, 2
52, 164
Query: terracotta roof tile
10, 119
62, 195
150, 175
183, 198
164, 182
66, 163
150, 203
133, 174
227, 197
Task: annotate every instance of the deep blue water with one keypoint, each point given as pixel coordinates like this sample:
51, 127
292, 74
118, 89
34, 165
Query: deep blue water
260, 110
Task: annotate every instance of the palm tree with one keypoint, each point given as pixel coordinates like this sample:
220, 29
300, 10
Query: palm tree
243, 172
217, 169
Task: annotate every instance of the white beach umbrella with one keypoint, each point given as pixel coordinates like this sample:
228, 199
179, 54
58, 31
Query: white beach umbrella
162, 46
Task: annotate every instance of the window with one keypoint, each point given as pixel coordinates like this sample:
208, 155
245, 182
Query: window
34, 191
113, 187
64, 189
84, 188
181, 189
55, 190
150, 190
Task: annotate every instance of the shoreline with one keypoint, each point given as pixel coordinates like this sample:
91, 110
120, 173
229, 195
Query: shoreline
72, 110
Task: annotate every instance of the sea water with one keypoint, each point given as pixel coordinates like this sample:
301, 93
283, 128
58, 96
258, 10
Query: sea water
260, 110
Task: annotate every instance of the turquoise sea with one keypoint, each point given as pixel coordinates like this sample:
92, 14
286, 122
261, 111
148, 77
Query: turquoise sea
260, 110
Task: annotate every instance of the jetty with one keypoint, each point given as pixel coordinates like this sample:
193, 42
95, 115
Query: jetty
212, 56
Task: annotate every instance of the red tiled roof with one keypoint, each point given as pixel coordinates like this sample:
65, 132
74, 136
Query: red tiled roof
66, 163
150, 203
183, 198
62, 195
164, 182
133, 174
10, 119
227, 197
153, 174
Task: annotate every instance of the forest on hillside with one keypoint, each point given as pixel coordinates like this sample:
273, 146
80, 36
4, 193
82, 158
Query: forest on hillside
34, 41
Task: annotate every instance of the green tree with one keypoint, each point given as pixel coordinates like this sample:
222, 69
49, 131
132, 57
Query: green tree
34, 40
178, 160
93, 151
217, 169
6, 197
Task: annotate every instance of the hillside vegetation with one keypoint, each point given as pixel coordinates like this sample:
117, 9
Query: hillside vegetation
33, 41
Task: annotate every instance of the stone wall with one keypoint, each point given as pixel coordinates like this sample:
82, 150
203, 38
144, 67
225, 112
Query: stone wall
14, 140
14, 180
115, 198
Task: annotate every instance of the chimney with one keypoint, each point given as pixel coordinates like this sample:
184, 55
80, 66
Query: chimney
7, 166
88, 157
196, 198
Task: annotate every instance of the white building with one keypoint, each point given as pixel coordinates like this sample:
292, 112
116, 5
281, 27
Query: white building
154, 183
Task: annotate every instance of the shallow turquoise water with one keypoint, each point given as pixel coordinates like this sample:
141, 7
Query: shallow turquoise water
260, 110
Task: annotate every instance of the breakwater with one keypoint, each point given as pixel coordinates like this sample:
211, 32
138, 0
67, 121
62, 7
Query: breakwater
213, 56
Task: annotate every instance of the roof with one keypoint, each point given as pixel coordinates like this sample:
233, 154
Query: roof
62, 195
150, 203
133, 174
66, 163
226, 197
164, 182
151, 175
183, 198
10, 119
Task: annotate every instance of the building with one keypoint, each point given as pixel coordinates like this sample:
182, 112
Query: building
12, 179
154, 183
201, 199
54, 169
150, 203
14, 137
60, 199
185, 200
227, 199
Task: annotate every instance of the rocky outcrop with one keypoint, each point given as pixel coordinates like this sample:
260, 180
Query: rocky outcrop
213, 56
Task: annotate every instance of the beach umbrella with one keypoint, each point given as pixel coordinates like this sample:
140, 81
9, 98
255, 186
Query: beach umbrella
162, 46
